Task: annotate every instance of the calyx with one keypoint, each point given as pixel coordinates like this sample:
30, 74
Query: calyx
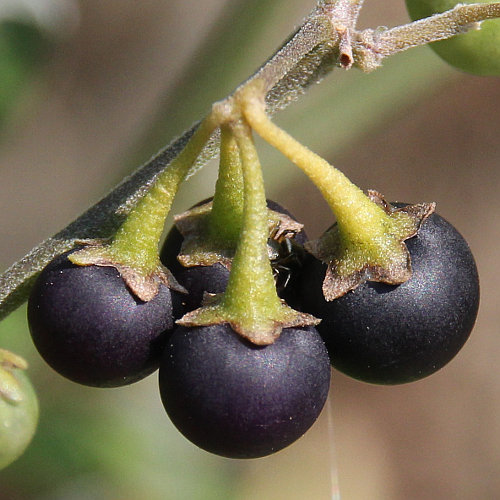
384, 258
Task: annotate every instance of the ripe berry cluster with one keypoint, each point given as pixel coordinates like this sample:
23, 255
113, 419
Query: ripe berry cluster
241, 314
237, 399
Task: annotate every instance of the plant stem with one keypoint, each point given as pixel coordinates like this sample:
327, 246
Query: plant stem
372, 46
304, 40
323, 27
436, 27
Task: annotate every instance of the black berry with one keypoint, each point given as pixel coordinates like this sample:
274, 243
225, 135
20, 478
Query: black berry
394, 334
90, 328
239, 400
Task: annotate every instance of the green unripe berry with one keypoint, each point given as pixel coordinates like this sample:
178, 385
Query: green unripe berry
477, 51
18, 416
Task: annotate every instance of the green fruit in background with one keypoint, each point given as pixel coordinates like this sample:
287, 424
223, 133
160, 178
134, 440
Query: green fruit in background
18, 412
476, 52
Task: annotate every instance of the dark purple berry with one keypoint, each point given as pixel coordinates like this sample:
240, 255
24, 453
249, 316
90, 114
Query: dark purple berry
90, 328
239, 400
390, 334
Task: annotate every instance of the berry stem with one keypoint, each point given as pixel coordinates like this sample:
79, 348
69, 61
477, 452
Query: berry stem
357, 216
251, 273
211, 230
250, 303
225, 218
367, 240
135, 243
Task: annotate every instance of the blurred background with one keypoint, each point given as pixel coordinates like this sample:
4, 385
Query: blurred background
91, 90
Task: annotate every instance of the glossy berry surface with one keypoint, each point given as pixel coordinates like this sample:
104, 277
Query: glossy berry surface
90, 328
477, 51
213, 279
238, 400
395, 334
